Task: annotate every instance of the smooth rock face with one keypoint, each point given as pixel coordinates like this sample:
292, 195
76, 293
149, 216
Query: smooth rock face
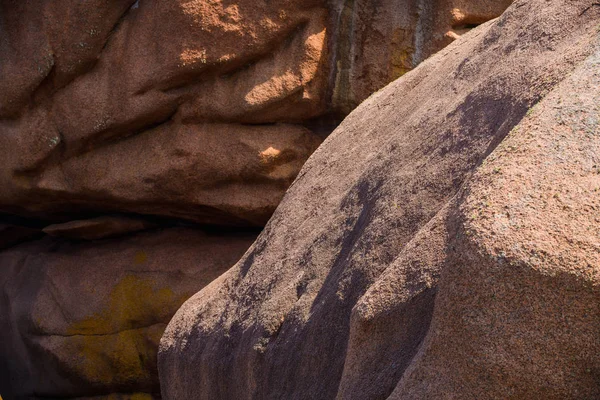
414, 257
168, 108
84, 319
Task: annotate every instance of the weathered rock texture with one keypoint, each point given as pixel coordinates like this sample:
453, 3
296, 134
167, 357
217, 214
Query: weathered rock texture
117, 117
196, 109
191, 109
377, 42
84, 319
442, 243
518, 310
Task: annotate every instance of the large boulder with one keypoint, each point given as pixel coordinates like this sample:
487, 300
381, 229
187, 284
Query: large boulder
190, 109
414, 257
518, 310
195, 109
84, 319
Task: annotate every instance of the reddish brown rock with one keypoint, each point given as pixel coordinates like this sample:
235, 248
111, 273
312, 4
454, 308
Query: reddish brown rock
156, 78
377, 42
50, 41
84, 319
222, 174
340, 296
103, 95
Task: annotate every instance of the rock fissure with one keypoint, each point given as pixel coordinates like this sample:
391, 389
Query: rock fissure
137, 328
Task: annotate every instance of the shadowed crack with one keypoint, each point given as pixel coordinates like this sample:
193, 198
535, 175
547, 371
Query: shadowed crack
589, 8
116, 26
103, 334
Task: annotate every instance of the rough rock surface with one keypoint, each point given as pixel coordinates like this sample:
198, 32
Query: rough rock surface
203, 122
518, 310
84, 319
413, 258
377, 42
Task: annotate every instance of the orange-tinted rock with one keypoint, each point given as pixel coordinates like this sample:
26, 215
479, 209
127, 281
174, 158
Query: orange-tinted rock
92, 80
159, 77
214, 173
377, 42
84, 319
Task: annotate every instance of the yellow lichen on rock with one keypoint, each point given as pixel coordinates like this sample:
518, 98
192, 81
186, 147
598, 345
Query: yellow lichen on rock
120, 342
